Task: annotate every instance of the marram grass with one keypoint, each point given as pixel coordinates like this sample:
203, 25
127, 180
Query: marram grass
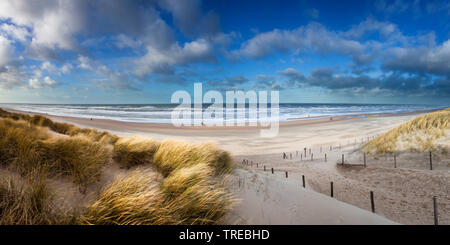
419, 134
172, 155
185, 187
134, 151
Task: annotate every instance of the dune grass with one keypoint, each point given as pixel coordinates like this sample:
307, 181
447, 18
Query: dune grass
172, 155
419, 133
24, 204
185, 197
190, 191
134, 151
77, 157
61, 128
199, 199
27, 148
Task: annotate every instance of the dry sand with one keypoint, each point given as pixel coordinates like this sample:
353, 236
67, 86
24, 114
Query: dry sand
402, 194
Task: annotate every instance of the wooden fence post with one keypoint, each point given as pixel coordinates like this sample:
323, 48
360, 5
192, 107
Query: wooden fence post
272, 170
286, 174
435, 210
364, 159
303, 180
372, 202
395, 161
331, 185
325, 157
264, 168
312, 154
342, 159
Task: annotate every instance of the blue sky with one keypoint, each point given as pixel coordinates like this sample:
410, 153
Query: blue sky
142, 51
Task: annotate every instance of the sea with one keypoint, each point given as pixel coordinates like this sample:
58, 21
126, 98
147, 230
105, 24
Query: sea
162, 113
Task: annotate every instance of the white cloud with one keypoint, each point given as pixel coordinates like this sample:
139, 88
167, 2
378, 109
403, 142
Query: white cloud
314, 37
49, 82
124, 41
432, 60
6, 51
15, 32
162, 61
11, 77
48, 66
264, 44
66, 68
36, 83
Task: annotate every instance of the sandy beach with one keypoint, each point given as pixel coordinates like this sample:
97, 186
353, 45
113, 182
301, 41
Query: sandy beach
402, 194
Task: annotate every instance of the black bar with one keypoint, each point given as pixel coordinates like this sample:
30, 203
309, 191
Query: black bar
286, 174
272, 170
342, 159
325, 157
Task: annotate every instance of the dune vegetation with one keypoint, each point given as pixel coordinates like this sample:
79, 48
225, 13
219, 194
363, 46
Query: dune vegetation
419, 134
171, 182
134, 151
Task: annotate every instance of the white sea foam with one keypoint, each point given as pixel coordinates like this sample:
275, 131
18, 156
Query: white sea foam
158, 113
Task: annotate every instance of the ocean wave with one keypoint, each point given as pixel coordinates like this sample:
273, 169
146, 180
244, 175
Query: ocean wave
159, 113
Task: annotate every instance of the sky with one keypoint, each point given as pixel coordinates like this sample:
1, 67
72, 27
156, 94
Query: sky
119, 52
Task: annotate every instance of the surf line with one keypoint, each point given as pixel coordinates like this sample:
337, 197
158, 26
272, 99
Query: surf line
235, 112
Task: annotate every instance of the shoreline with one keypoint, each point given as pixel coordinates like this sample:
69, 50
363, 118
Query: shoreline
107, 123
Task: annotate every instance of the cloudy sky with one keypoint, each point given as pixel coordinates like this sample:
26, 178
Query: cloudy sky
65, 51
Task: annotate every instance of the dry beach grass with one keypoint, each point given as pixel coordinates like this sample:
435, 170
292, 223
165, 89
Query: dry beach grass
176, 183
